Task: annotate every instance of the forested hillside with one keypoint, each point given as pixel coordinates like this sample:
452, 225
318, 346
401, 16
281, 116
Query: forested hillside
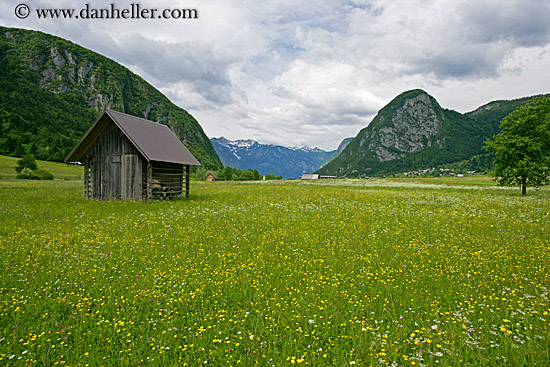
52, 90
413, 132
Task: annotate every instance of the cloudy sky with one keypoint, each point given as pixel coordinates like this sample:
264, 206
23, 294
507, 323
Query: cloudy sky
312, 72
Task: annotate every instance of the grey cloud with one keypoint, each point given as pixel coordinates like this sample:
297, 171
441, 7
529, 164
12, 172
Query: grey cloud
170, 63
485, 35
521, 23
461, 61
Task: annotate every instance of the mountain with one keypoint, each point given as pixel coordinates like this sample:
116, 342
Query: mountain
266, 158
52, 90
414, 132
492, 113
343, 144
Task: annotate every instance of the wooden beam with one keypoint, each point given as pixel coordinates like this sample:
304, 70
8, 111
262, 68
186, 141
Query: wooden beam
86, 179
89, 137
149, 182
187, 180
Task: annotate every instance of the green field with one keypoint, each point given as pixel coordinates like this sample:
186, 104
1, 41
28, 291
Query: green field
325, 273
60, 171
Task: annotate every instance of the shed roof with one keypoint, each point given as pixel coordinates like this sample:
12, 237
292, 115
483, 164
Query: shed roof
310, 176
155, 141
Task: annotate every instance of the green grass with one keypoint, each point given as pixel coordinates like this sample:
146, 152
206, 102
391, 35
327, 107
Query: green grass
61, 171
333, 273
449, 180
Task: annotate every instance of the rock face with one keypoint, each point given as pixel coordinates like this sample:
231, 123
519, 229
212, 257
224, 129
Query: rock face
413, 133
62, 72
412, 130
71, 85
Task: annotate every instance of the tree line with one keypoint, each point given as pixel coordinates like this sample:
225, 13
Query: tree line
234, 174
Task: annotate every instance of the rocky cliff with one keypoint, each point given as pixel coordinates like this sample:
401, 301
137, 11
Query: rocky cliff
52, 91
410, 129
413, 131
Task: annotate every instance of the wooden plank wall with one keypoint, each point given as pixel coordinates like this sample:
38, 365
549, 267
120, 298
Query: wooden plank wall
86, 179
117, 170
131, 177
115, 166
149, 181
187, 179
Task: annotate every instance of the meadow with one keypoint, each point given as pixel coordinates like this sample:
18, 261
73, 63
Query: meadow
59, 170
326, 273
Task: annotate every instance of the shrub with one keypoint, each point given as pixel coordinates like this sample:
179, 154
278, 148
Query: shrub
27, 161
27, 174
44, 175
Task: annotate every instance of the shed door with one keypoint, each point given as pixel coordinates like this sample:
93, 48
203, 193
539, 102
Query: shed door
115, 184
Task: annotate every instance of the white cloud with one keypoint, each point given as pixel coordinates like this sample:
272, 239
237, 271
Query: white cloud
331, 87
314, 72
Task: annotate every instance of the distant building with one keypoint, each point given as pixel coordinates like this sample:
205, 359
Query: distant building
211, 177
310, 176
127, 157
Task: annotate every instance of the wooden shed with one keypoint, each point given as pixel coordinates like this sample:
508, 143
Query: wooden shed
127, 157
310, 176
211, 177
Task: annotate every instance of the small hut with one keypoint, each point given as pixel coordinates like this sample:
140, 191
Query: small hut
127, 157
211, 177
310, 176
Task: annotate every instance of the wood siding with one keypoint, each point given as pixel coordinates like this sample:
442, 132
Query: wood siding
115, 166
115, 169
130, 184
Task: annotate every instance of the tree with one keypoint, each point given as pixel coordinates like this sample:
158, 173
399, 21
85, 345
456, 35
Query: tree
522, 148
27, 161
247, 175
201, 173
227, 173
255, 174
